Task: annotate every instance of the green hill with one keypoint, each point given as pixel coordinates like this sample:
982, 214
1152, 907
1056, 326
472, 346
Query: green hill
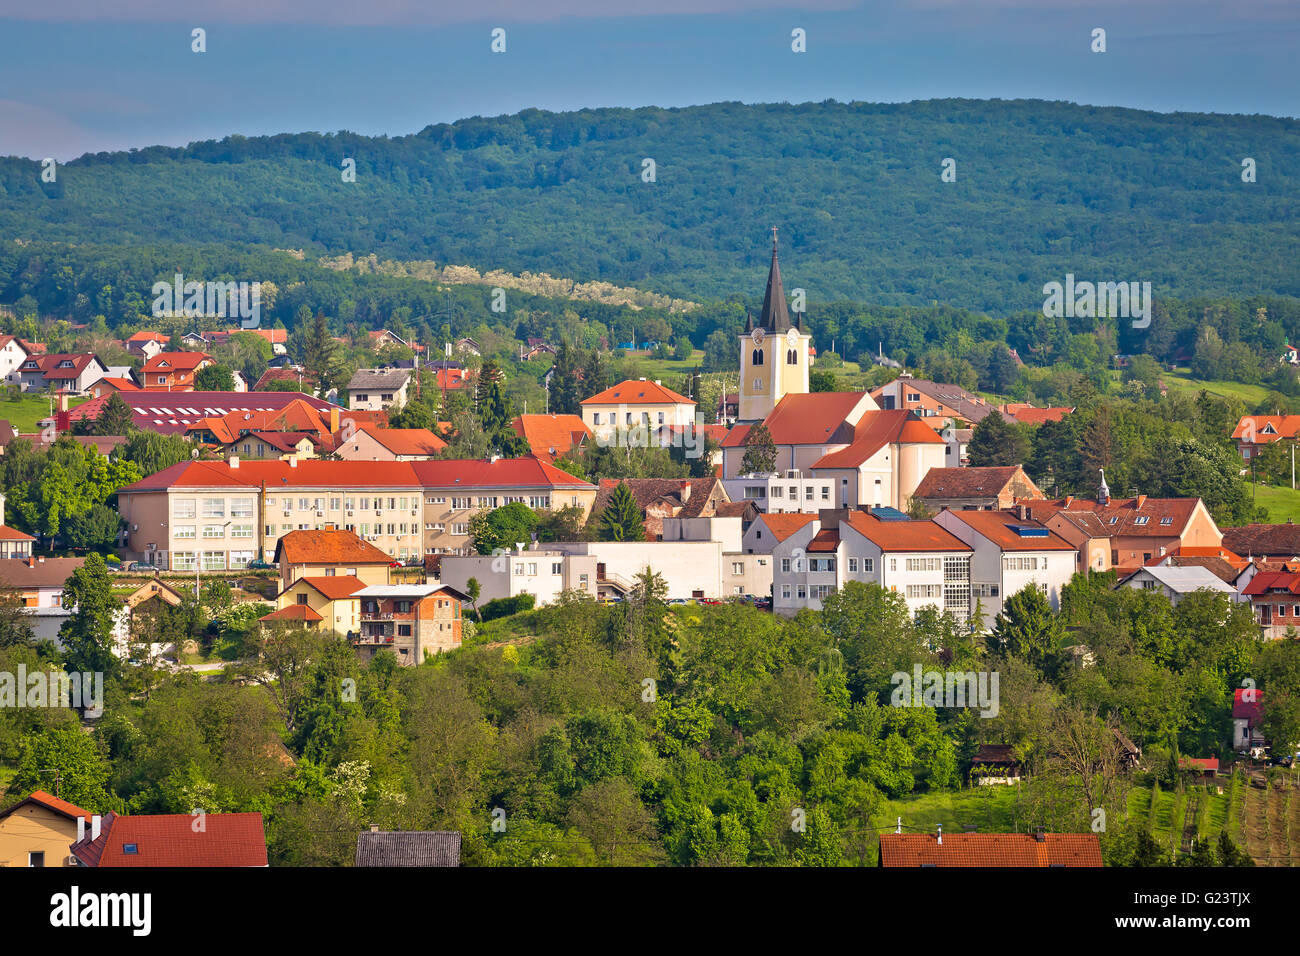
1042, 189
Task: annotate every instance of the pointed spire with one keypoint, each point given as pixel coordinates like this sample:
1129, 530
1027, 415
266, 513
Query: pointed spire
775, 316
1103, 492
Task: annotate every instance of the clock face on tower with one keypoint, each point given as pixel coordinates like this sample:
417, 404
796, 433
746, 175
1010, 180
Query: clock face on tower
792, 337
758, 335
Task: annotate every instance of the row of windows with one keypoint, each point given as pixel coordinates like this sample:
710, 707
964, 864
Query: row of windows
212, 531
613, 418
757, 357
209, 560
246, 507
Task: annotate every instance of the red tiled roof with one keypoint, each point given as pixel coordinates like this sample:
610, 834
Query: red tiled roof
990, 849
407, 441
827, 539
328, 547
285, 375
175, 362
1121, 517
1260, 540
784, 525
1029, 415
633, 392
171, 413
873, 432
502, 473
983, 482
171, 839
1266, 582
49, 364
334, 587
815, 418
1248, 710
1264, 429
904, 535
13, 534
150, 337
293, 612
1000, 528
550, 436
50, 802
1198, 763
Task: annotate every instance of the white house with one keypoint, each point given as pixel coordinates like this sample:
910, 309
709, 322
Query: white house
12, 355
1176, 583
781, 492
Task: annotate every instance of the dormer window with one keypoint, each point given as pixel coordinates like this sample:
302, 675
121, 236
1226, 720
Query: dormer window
1141, 520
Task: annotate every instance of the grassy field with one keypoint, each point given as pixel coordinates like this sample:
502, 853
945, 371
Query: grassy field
1182, 381
1282, 503
25, 411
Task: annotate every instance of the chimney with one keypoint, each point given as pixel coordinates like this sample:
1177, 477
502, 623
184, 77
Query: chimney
1023, 512
41, 559
234, 461
1142, 499
1069, 500
899, 828
334, 419
81, 828
656, 381
95, 822
293, 461
941, 834
374, 828
1040, 835
31, 562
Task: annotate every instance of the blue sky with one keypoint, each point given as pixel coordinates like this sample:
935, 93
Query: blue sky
74, 78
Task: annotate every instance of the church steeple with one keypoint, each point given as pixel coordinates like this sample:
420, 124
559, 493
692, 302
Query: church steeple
775, 316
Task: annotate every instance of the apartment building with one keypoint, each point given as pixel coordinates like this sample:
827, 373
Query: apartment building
543, 573
214, 516
415, 621
1010, 553
633, 404
778, 493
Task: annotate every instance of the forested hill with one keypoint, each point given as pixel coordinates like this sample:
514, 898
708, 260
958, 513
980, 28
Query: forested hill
1041, 189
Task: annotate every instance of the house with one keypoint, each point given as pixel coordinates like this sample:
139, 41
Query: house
1279, 542
148, 597
408, 848
331, 553
776, 493
1254, 432
415, 621
990, 849
1010, 553
290, 373
1199, 766
12, 357
328, 601
936, 403
1275, 598
994, 488
636, 404
13, 543
38, 585
995, 764
172, 839
173, 371
279, 430
660, 498
690, 569
146, 345
1246, 711
1175, 583
1021, 413
743, 573
544, 572
728, 407
876, 458
450, 379
1221, 562
73, 373
259, 446
770, 528
468, 346
381, 339
173, 414
390, 444
379, 388
110, 384
958, 441
37, 831
536, 348
1126, 533
551, 436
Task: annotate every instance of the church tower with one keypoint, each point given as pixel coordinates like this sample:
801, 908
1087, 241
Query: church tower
773, 351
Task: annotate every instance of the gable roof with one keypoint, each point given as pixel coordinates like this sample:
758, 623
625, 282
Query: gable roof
1248, 710
48, 364
328, 547
49, 802
18, 573
406, 441
1185, 580
1005, 529
813, 418
982, 482
380, 378
686, 496
875, 430
1123, 517
408, 848
1264, 540
332, 587
990, 849
293, 612
175, 362
550, 436
637, 392
904, 535
1272, 582
171, 413
1265, 429
783, 525
170, 839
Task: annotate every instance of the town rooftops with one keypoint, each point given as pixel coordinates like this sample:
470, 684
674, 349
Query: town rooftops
20, 573
293, 612
379, 379
983, 482
904, 536
42, 799
171, 839
874, 431
966, 406
814, 418
171, 413
638, 392
783, 525
1011, 533
990, 849
408, 848
175, 362
328, 547
407, 441
1264, 540
687, 494
1122, 517
1185, 580
1273, 582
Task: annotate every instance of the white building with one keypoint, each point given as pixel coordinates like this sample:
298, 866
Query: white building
544, 574
1010, 553
1176, 583
781, 492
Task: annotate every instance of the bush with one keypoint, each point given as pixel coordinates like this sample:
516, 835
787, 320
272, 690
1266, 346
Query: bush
504, 607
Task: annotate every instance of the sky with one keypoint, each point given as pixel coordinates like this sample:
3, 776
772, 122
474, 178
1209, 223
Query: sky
81, 76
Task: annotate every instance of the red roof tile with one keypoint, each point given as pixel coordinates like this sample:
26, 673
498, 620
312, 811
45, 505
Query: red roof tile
334, 587
407, 441
904, 535
293, 612
1248, 710
1000, 528
50, 802
874, 431
175, 362
172, 839
783, 525
550, 436
815, 418
990, 849
633, 392
328, 547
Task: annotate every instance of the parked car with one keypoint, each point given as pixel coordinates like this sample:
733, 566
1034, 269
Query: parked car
260, 566
139, 566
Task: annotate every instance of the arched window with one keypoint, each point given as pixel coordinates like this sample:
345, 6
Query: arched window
757, 358
791, 357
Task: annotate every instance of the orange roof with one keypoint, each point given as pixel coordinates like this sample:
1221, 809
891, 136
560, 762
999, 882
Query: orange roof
333, 587
407, 441
550, 436
294, 612
176, 361
150, 337
990, 849
904, 535
874, 431
328, 547
1030, 415
784, 525
1000, 528
170, 839
1263, 429
13, 534
635, 392
827, 539
50, 802
816, 418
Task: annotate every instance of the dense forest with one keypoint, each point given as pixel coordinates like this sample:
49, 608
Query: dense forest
1042, 189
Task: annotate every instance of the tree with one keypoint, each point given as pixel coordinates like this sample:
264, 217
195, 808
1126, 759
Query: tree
502, 528
821, 381
87, 635
151, 452
96, 528
69, 763
474, 591
318, 352
560, 524
620, 519
489, 398
116, 418
760, 451
1027, 628
214, 378
995, 441
15, 622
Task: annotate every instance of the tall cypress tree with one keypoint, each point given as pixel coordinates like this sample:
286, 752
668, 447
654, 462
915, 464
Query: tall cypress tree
621, 518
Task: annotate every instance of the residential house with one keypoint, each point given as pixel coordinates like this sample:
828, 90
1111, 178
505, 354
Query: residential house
1010, 553
995, 764
1247, 708
958, 441
660, 498
281, 430
327, 554
994, 488
1275, 598
690, 569
415, 621
876, 458
172, 839
936, 403
290, 373
743, 573
1021, 413
375, 389
381, 339
110, 384
38, 830
38, 585
326, 601
771, 528
1176, 583
13, 543
1039, 849
149, 597
390, 444
146, 345
173, 371
259, 446
468, 346
12, 357
636, 404
552, 436
1255, 432
408, 848
1221, 562
73, 373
